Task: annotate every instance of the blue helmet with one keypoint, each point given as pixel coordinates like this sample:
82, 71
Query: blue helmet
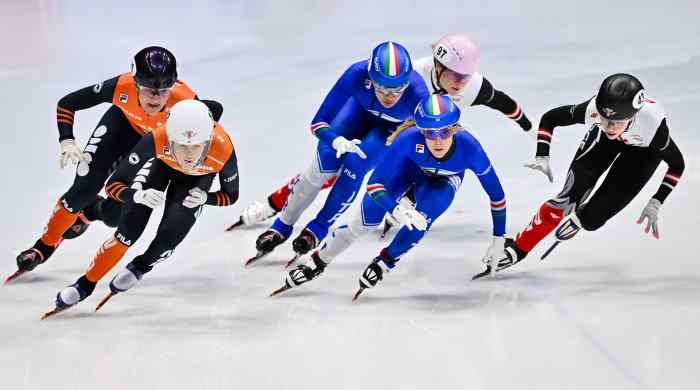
436, 112
390, 65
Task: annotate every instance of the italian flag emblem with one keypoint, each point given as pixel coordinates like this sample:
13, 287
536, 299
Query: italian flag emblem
435, 106
391, 63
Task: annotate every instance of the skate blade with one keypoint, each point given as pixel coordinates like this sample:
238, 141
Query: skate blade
385, 230
548, 251
281, 290
480, 275
255, 258
235, 225
53, 312
293, 260
357, 294
14, 276
104, 300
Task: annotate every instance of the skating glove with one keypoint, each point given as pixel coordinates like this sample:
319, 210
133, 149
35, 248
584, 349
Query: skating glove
70, 151
150, 198
342, 145
495, 252
542, 164
196, 198
651, 214
408, 216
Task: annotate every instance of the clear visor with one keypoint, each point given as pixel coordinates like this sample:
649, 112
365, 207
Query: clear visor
189, 156
454, 76
442, 133
386, 91
155, 92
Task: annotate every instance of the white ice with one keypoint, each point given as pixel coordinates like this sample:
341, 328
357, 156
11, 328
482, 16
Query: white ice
612, 309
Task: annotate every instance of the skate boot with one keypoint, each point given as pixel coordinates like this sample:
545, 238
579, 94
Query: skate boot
29, 259
566, 231
302, 273
71, 295
123, 281
266, 243
375, 272
303, 244
511, 256
255, 213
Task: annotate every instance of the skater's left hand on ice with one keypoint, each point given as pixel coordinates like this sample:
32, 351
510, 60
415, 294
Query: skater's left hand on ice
651, 214
343, 145
495, 252
196, 198
542, 164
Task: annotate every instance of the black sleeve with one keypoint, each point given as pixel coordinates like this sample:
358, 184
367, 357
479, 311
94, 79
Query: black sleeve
216, 108
498, 100
117, 186
79, 100
560, 116
668, 151
228, 179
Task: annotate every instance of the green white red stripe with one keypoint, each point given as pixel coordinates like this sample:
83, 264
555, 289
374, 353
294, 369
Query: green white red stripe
374, 188
435, 106
391, 65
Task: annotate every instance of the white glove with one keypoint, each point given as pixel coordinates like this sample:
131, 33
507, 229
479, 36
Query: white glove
150, 198
257, 212
651, 214
196, 198
495, 252
71, 151
408, 216
542, 164
342, 145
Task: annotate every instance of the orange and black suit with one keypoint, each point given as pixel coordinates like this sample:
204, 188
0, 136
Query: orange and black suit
151, 165
119, 130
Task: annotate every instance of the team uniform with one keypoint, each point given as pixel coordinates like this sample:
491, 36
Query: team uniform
117, 132
630, 160
478, 92
409, 165
350, 110
152, 165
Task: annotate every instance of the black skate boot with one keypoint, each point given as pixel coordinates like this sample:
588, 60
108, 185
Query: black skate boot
31, 258
266, 243
511, 256
303, 244
302, 273
375, 271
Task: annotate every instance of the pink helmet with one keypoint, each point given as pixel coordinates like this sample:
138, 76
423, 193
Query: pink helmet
458, 53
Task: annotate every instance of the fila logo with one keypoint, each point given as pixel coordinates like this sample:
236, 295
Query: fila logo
123, 98
123, 239
420, 148
349, 174
231, 178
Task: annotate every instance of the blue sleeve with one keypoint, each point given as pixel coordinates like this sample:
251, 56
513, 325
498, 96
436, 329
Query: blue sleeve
492, 185
333, 102
394, 158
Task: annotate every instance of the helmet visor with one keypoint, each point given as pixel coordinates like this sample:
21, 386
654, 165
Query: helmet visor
390, 92
443, 133
189, 157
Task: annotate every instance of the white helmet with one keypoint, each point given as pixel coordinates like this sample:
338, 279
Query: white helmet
190, 123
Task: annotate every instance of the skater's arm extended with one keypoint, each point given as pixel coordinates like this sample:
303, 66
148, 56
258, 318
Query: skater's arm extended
80, 100
560, 116
668, 151
332, 103
499, 100
485, 172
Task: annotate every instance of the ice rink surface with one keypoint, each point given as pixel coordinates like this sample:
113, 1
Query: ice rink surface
613, 309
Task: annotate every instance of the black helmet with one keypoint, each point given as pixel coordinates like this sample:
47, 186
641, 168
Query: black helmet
154, 67
620, 97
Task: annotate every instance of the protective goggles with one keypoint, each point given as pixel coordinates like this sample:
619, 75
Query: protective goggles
457, 77
443, 133
154, 91
396, 91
